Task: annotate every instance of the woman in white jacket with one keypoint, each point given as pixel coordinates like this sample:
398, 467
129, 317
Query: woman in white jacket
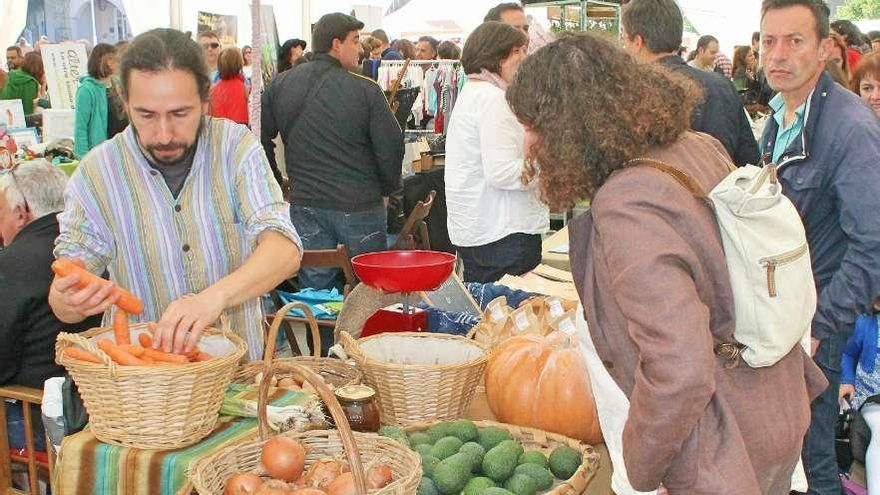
494, 217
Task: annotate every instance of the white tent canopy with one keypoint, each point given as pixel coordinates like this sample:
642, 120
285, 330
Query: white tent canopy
731, 22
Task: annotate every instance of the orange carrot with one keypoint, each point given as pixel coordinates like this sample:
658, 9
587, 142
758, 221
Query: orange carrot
119, 355
147, 359
120, 328
127, 301
165, 357
82, 355
197, 356
135, 350
145, 341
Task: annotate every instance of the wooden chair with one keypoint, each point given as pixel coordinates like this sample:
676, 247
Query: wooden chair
37, 462
414, 233
319, 258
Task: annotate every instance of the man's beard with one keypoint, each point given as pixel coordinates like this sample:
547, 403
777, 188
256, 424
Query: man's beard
151, 149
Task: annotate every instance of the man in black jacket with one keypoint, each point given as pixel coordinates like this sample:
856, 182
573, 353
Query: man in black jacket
30, 197
652, 31
343, 146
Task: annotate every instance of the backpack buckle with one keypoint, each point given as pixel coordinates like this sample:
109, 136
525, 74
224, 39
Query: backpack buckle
730, 352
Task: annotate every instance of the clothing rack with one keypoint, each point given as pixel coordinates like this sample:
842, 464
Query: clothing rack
418, 62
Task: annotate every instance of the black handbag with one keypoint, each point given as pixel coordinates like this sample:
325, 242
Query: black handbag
75, 416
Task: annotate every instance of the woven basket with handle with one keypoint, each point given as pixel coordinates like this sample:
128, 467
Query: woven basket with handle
419, 376
545, 442
157, 407
335, 372
208, 476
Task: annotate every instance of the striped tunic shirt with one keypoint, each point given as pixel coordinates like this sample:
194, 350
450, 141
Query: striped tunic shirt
119, 215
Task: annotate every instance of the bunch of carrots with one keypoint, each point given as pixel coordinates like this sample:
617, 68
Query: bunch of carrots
122, 351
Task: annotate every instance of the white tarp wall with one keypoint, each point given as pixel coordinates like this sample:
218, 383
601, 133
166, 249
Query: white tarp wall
14, 16
731, 22
423, 16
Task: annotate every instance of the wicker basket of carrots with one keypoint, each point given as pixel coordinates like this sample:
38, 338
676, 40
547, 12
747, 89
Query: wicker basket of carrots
143, 398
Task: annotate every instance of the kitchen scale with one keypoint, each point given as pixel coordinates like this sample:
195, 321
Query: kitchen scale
402, 272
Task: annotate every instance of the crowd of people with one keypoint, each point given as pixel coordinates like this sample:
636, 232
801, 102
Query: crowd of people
175, 199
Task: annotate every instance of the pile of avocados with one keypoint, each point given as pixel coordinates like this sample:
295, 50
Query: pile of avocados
459, 458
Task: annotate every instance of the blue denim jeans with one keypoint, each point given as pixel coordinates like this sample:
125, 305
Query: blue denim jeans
320, 228
820, 455
515, 254
15, 427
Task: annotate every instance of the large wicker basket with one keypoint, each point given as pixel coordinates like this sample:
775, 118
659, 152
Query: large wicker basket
419, 376
208, 476
335, 372
151, 407
545, 442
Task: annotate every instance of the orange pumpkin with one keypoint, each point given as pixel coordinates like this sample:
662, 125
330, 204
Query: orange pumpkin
542, 382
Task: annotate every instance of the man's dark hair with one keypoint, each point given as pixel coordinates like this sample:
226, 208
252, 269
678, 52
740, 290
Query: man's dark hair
705, 41
98, 66
16, 48
448, 51
818, 8
490, 44
435, 44
164, 49
381, 35
495, 12
331, 27
874, 36
756, 36
658, 22
284, 61
850, 32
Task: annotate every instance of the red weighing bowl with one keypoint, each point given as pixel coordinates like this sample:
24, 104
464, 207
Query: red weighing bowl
403, 271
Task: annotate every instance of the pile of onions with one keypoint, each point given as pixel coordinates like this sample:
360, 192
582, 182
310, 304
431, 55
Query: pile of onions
283, 459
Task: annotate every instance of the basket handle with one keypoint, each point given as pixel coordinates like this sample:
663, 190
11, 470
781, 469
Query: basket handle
71, 340
351, 346
329, 399
272, 336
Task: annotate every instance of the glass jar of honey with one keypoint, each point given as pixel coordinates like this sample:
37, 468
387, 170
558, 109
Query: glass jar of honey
358, 404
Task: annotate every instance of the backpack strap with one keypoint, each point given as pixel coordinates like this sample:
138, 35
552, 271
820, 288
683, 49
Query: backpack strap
681, 177
729, 352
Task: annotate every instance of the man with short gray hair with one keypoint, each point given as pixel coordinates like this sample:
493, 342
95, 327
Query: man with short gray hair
30, 197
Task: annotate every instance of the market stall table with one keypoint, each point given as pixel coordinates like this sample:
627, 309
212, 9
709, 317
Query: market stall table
88, 466
554, 250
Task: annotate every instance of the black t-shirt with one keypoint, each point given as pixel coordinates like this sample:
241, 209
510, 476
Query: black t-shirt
176, 173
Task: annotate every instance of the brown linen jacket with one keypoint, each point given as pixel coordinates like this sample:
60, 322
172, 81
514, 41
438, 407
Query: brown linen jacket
649, 266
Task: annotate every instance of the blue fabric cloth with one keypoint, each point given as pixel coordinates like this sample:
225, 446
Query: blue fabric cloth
861, 349
440, 321
485, 293
15, 427
859, 360
315, 299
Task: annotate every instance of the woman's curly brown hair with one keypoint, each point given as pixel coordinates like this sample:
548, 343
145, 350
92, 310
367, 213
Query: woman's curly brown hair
593, 108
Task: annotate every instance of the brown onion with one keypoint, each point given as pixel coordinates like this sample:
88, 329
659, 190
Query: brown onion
243, 484
378, 476
342, 485
283, 458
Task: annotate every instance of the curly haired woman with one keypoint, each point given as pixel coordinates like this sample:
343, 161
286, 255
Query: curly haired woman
650, 269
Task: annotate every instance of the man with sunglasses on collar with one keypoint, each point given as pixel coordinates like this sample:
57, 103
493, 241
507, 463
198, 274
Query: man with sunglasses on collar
31, 195
210, 43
